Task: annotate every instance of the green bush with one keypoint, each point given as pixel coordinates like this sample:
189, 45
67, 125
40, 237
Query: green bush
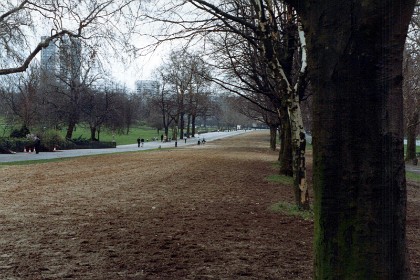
51, 139
20, 133
84, 143
14, 144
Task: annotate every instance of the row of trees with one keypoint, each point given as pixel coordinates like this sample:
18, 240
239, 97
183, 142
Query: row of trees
186, 97
69, 96
354, 56
269, 49
79, 94
185, 93
27, 101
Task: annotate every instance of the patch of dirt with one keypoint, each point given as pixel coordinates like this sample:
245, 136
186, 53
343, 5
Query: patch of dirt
190, 213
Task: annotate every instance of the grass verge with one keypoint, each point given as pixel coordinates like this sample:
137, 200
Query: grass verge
412, 176
281, 179
28, 162
292, 210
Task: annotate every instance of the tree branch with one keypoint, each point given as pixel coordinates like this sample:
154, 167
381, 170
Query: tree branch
38, 48
14, 10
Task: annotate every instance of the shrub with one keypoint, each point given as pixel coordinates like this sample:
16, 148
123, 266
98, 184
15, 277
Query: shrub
50, 139
84, 143
14, 144
20, 133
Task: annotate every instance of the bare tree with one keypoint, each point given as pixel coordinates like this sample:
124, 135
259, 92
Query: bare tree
411, 86
243, 71
411, 102
260, 24
261, 111
355, 60
187, 76
102, 106
21, 95
165, 103
94, 20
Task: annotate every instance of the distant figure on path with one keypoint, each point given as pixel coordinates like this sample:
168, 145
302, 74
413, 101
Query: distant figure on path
142, 142
161, 138
37, 144
138, 142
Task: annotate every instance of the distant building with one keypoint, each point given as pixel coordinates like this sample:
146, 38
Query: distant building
70, 59
49, 57
147, 87
62, 60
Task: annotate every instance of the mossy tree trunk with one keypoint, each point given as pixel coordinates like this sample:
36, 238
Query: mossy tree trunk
355, 59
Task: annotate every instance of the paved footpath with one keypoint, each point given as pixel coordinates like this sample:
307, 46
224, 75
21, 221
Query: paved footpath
119, 149
412, 168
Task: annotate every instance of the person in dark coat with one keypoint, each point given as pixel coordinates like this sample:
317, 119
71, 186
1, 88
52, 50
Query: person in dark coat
138, 142
37, 144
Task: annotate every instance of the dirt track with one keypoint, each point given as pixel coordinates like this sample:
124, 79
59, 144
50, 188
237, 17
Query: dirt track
193, 213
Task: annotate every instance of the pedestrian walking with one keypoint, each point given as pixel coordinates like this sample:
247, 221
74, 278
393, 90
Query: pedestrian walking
37, 144
138, 142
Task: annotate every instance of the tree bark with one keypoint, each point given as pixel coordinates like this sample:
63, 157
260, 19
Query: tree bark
166, 129
188, 126
360, 192
286, 154
193, 126
70, 129
181, 125
93, 134
298, 149
273, 137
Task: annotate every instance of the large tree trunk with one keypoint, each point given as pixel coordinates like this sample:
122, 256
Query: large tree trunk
286, 154
93, 134
166, 129
193, 126
298, 149
189, 125
181, 125
70, 129
273, 137
411, 137
360, 192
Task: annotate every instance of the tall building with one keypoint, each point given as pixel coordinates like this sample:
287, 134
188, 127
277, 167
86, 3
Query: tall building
49, 57
147, 87
70, 59
62, 60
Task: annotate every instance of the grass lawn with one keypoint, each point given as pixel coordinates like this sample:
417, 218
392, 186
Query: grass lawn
121, 139
417, 149
412, 176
